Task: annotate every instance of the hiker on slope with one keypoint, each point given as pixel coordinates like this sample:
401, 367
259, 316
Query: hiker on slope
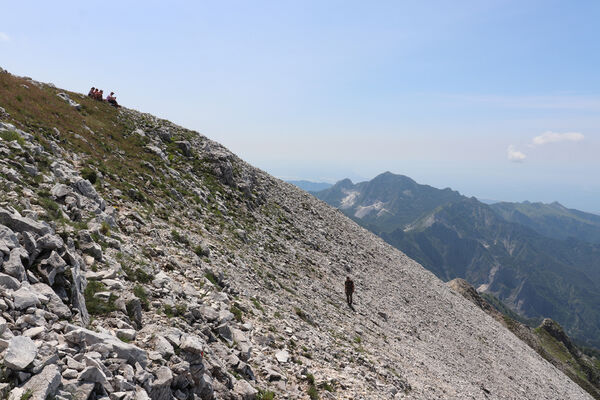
349, 287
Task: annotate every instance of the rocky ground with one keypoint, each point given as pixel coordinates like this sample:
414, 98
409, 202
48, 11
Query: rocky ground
142, 260
549, 340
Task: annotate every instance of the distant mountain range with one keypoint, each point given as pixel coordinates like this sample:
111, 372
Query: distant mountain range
311, 186
543, 260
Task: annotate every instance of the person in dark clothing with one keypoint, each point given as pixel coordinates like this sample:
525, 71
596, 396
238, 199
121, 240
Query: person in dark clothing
349, 286
91, 93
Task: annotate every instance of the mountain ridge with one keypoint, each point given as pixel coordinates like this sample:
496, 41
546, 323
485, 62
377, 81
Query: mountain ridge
208, 278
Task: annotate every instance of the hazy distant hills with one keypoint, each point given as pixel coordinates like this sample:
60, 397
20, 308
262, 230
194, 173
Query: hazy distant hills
311, 186
542, 260
552, 220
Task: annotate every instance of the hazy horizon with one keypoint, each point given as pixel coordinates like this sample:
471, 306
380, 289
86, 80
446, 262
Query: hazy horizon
495, 99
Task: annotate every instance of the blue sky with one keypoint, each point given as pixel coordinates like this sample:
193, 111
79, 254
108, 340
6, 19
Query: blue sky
449, 93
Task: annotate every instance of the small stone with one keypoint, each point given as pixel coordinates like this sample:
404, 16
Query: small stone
70, 373
282, 356
33, 332
126, 334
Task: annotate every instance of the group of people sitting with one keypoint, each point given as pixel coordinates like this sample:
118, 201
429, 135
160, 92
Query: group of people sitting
98, 94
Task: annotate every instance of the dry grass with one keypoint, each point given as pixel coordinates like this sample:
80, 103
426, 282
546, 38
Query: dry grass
38, 110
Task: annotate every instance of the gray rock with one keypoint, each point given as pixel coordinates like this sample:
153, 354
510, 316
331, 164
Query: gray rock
4, 387
225, 316
78, 285
225, 332
93, 249
282, 356
50, 242
191, 344
25, 298
160, 389
20, 353
206, 313
22, 224
83, 391
14, 266
185, 147
70, 373
71, 102
60, 190
126, 334
163, 347
123, 350
55, 304
244, 390
8, 282
161, 280
8, 239
51, 266
30, 244
43, 385
204, 386
92, 374
156, 150
33, 332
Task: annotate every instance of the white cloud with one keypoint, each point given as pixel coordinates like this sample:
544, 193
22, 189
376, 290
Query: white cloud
4, 37
515, 155
554, 137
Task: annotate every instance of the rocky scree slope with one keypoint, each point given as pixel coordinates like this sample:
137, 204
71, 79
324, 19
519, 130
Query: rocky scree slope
142, 260
549, 340
498, 251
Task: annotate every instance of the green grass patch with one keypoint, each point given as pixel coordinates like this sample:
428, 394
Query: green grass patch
237, 313
212, 278
136, 275
179, 238
105, 228
27, 395
52, 209
9, 136
141, 294
176, 311
257, 304
313, 393
89, 174
95, 305
265, 395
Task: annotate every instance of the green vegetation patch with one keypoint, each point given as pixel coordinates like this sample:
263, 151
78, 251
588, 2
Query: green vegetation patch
237, 313
96, 305
265, 395
141, 294
9, 136
176, 311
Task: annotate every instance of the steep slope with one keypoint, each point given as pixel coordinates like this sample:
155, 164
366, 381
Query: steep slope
548, 340
217, 278
455, 236
553, 220
387, 202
